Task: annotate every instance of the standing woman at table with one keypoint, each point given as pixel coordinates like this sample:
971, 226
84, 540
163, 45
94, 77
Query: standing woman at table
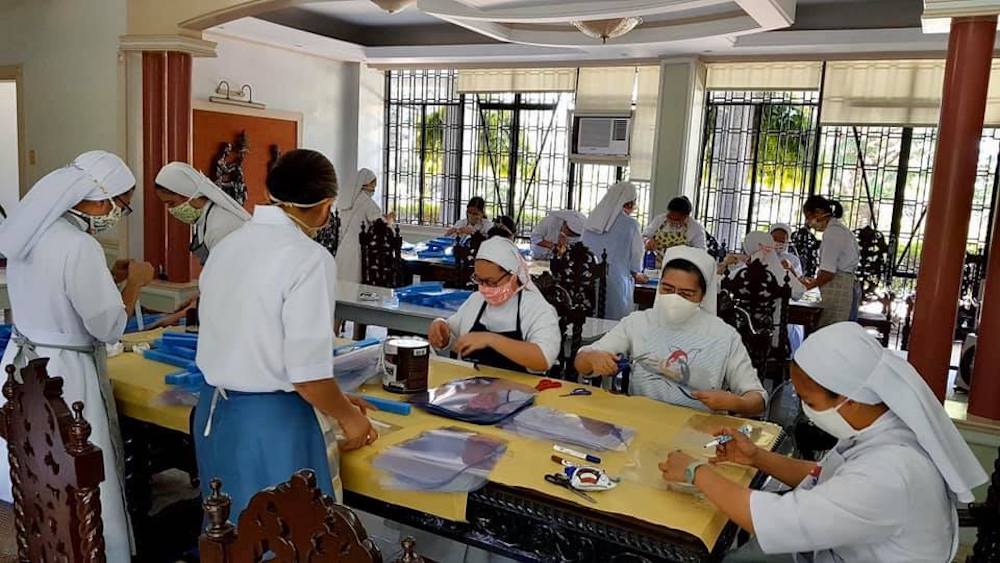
357, 207
838, 259
266, 341
475, 220
507, 324
676, 227
610, 228
68, 307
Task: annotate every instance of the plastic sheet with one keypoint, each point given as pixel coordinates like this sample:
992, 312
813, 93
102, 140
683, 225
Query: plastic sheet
643, 468
479, 400
352, 369
433, 294
441, 460
557, 426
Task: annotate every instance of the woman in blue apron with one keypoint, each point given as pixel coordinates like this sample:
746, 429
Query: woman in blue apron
266, 341
507, 323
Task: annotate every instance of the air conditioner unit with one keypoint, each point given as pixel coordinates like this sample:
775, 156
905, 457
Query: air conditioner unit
601, 138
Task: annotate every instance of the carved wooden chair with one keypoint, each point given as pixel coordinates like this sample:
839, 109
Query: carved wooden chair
807, 246
329, 236
973, 274
873, 273
294, 522
985, 517
749, 301
714, 248
381, 254
584, 277
465, 257
572, 317
55, 470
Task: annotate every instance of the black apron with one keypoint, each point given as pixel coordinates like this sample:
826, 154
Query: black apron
198, 246
489, 356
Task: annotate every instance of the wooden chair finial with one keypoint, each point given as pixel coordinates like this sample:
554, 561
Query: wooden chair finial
79, 431
217, 507
409, 555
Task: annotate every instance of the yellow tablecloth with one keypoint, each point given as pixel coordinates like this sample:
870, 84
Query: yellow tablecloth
659, 428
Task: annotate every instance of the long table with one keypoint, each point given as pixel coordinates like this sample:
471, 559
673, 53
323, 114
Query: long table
517, 514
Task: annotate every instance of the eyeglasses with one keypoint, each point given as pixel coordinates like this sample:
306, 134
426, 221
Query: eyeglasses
688, 294
489, 283
126, 208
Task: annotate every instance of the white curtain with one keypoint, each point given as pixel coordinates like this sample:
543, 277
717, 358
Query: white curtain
644, 123
517, 80
787, 75
605, 89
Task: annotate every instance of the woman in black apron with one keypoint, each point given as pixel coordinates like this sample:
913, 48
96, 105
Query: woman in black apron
507, 324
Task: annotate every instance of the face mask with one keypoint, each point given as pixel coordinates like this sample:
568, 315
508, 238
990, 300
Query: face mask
185, 212
101, 223
819, 224
673, 308
830, 421
780, 246
310, 231
496, 296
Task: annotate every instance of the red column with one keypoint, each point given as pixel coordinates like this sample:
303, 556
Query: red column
966, 78
166, 116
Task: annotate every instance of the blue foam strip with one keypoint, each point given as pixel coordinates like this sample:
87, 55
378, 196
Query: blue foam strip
356, 346
169, 359
388, 405
180, 352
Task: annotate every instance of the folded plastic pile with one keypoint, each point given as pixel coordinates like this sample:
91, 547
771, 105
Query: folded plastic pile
356, 363
478, 400
433, 294
549, 424
446, 460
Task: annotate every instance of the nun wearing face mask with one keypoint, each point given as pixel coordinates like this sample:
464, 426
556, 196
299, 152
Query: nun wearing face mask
609, 228
781, 232
67, 305
553, 234
887, 491
507, 324
683, 354
356, 208
193, 199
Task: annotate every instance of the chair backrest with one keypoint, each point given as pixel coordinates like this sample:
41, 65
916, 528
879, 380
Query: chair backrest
973, 274
572, 317
329, 236
714, 249
753, 296
986, 518
381, 254
585, 278
294, 521
874, 265
465, 257
55, 470
807, 246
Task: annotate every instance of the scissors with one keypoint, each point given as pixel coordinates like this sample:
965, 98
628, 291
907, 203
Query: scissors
577, 392
548, 384
561, 480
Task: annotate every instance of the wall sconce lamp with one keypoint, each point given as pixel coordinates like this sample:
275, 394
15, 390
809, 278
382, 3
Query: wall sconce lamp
243, 98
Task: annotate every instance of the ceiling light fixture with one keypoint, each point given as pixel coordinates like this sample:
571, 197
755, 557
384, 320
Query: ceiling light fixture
607, 29
393, 6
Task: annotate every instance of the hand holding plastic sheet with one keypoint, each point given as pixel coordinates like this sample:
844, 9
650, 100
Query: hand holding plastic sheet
446, 460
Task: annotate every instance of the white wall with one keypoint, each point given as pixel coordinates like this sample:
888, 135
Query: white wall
371, 113
9, 184
69, 55
324, 91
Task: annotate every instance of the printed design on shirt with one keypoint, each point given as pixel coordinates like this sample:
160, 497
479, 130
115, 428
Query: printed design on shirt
677, 366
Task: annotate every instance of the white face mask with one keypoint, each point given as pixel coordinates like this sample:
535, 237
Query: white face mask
830, 421
673, 308
780, 246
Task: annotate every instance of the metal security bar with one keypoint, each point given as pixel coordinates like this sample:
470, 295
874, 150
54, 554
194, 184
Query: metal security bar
511, 149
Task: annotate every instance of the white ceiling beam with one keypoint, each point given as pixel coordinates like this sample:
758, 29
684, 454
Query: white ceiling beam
562, 11
770, 14
938, 14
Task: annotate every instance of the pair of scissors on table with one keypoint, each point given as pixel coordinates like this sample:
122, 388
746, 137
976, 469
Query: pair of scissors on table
579, 391
561, 480
547, 384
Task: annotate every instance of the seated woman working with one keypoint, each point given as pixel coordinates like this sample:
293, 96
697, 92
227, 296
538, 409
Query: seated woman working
507, 324
886, 492
683, 354
556, 232
503, 226
475, 220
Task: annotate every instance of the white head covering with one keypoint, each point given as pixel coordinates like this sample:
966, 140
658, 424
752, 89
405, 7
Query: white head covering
347, 198
781, 227
706, 264
182, 178
847, 360
610, 207
575, 220
504, 253
760, 246
92, 176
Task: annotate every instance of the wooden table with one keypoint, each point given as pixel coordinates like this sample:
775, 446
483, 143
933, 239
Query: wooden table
516, 514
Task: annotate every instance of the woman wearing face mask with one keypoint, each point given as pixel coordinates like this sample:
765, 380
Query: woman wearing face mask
610, 228
193, 199
676, 227
267, 316
475, 220
838, 259
554, 234
68, 307
887, 491
780, 232
684, 354
507, 324
357, 207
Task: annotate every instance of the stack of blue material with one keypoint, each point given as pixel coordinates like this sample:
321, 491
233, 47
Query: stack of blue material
433, 294
178, 349
148, 321
440, 247
5, 331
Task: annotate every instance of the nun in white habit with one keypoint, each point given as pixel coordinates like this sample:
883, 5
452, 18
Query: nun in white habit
886, 492
610, 228
682, 352
555, 232
193, 199
507, 323
356, 207
68, 307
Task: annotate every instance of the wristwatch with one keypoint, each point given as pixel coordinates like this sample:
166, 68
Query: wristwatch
692, 469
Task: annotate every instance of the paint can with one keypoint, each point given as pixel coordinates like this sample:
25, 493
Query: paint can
405, 363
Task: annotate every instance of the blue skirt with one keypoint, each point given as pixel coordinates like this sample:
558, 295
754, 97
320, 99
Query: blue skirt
258, 440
